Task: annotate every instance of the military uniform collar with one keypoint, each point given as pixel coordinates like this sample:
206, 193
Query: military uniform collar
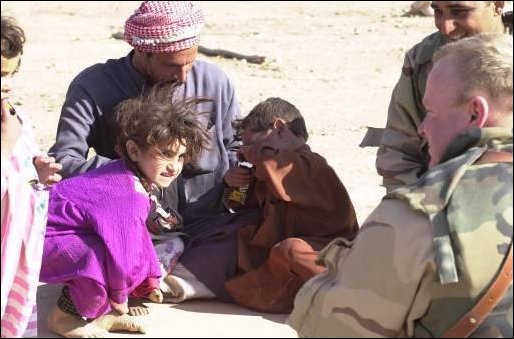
492, 137
429, 46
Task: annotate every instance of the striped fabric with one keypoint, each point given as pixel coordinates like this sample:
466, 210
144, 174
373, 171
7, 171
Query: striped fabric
23, 227
164, 26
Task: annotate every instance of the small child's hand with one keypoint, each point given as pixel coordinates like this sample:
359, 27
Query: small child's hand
242, 152
239, 176
47, 169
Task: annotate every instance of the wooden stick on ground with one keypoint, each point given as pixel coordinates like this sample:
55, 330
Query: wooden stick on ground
253, 59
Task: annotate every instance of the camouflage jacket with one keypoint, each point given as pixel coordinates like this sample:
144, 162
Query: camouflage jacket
386, 283
402, 157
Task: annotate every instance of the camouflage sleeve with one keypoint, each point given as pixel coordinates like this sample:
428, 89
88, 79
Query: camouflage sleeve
375, 286
400, 160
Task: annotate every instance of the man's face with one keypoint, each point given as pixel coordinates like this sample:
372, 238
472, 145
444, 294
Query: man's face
170, 67
446, 116
460, 19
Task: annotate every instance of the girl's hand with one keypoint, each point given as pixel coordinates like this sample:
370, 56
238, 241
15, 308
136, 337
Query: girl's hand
47, 169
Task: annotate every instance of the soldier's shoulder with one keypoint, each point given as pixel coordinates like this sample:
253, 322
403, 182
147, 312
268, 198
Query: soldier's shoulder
395, 212
424, 50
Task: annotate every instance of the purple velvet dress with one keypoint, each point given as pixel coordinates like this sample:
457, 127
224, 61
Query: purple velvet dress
96, 239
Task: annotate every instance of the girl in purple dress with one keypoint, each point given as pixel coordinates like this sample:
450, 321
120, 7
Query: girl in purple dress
97, 242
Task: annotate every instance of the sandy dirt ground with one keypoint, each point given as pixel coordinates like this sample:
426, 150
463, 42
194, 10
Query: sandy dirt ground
336, 61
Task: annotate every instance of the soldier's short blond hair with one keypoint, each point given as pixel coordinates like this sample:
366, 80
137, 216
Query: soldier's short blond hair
483, 63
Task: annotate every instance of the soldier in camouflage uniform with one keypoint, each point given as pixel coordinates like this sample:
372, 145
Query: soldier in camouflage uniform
428, 252
401, 158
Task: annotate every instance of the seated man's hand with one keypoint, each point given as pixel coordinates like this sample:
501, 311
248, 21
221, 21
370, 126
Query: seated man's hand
239, 176
47, 169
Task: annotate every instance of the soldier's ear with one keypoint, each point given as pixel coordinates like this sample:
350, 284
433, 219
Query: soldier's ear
479, 111
498, 7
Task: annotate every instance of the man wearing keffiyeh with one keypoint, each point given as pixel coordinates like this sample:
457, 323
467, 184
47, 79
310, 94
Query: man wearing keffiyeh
165, 37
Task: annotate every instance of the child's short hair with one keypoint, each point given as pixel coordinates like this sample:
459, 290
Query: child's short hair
263, 116
13, 38
155, 120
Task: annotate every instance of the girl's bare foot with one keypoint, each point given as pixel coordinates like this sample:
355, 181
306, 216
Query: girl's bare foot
114, 321
139, 310
73, 326
136, 311
120, 308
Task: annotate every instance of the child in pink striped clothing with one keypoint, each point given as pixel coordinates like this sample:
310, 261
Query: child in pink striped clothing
25, 174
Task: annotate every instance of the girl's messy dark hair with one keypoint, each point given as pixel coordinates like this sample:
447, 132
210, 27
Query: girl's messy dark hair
156, 120
13, 38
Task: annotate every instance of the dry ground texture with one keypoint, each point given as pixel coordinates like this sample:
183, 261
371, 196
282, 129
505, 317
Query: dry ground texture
336, 61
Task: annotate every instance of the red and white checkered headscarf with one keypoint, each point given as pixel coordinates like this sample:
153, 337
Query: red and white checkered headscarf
164, 26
